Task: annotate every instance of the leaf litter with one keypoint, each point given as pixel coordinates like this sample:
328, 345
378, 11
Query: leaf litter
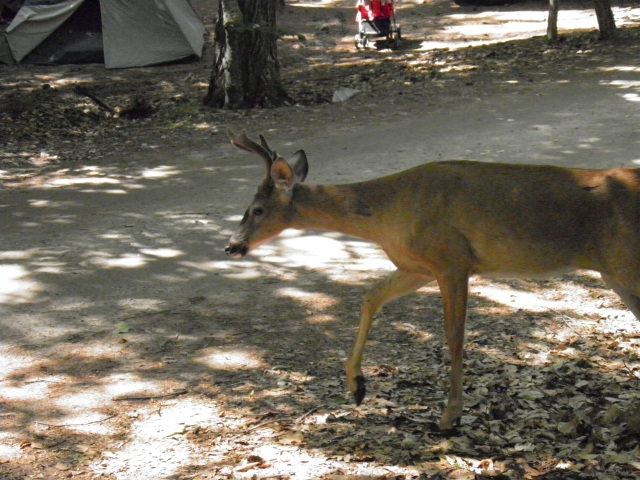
550, 393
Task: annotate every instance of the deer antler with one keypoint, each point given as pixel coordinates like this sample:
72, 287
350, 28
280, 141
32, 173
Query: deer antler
245, 143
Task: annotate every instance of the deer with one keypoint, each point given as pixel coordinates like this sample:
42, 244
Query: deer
446, 221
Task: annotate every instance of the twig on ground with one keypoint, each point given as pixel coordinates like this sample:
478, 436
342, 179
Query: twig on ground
631, 372
302, 417
77, 424
83, 91
151, 397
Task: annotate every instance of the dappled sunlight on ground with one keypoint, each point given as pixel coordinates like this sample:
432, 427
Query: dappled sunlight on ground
15, 286
133, 348
156, 445
230, 359
325, 250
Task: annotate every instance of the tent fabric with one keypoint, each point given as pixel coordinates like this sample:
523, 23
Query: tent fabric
134, 33
34, 23
137, 32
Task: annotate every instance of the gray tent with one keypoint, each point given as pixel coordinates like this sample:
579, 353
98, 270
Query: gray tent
122, 33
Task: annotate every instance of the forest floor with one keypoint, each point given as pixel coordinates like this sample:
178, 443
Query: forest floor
134, 349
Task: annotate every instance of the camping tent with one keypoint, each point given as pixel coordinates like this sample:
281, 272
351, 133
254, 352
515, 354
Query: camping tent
122, 33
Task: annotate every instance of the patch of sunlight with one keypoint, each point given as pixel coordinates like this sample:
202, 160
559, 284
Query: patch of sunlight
163, 171
310, 299
369, 257
15, 255
631, 97
623, 83
230, 359
157, 446
162, 252
295, 463
534, 302
414, 330
34, 390
129, 260
85, 410
87, 349
110, 191
68, 80
51, 267
314, 3
128, 384
233, 218
339, 257
235, 269
308, 250
142, 304
88, 180
89, 423
568, 297
321, 319
9, 447
472, 29
92, 398
49, 203
620, 68
15, 285
626, 85
13, 361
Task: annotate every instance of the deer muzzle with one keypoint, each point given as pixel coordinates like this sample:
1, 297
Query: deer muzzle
236, 249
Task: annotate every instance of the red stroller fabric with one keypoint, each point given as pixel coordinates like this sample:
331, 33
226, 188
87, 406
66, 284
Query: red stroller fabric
374, 10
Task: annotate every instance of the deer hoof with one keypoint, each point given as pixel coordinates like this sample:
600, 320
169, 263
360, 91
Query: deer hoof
361, 390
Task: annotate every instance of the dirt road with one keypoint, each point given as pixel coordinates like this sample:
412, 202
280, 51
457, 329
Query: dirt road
134, 349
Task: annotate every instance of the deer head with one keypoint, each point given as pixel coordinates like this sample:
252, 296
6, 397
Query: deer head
271, 210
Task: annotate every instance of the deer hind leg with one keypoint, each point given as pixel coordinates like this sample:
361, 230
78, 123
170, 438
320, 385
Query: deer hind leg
398, 284
629, 297
454, 290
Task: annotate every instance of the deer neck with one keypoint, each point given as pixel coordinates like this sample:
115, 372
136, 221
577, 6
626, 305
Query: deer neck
348, 209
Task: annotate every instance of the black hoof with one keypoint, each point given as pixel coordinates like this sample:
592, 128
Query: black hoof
361, 390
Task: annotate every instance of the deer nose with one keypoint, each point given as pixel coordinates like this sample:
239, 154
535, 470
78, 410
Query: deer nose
236, 250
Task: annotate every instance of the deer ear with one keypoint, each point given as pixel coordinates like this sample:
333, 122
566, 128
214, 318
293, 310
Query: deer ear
300, 165
282, 174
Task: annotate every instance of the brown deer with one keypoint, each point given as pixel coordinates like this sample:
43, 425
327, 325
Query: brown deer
446, 221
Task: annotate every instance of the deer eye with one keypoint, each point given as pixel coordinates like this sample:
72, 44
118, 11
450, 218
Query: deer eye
258, 212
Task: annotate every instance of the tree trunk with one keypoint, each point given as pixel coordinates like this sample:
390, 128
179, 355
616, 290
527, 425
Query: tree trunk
246, 71
606, 22
552, 21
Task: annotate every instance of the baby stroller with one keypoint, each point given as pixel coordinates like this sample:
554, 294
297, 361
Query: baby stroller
377, 19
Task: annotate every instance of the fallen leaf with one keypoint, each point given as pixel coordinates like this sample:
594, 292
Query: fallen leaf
293, 438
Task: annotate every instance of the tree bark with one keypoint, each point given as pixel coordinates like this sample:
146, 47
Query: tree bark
552, 21
246, 71
606, 22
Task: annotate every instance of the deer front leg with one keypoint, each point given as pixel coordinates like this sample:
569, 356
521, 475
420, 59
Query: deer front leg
397, 285
454, 290
627, 296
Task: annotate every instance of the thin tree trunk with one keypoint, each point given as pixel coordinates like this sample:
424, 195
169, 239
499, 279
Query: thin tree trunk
246, 71
552, 21
606, 22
